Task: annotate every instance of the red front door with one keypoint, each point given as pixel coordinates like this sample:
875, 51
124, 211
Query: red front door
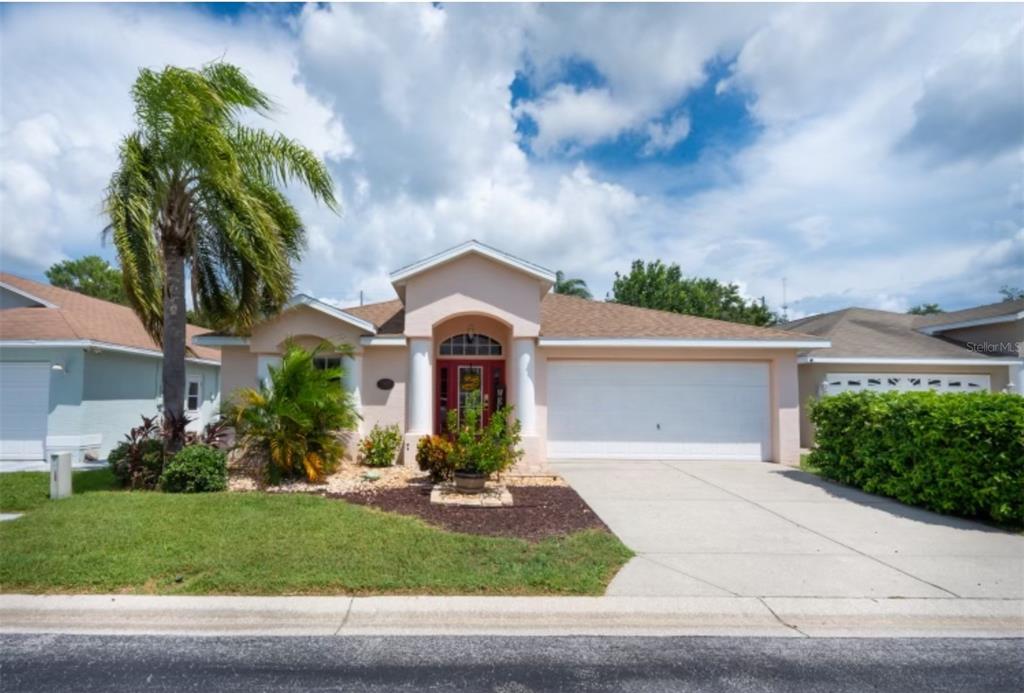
459, 379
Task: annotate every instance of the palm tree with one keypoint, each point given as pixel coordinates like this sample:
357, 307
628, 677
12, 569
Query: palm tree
198, 191
570, 287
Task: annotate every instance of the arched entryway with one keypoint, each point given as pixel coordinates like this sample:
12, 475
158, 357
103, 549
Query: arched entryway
470, 354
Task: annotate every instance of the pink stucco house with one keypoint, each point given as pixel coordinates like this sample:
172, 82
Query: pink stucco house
588, 379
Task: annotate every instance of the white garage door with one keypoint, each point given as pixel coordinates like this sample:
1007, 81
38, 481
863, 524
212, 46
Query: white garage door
658, 410
24, 406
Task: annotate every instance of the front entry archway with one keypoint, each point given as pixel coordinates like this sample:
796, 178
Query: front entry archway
469, 365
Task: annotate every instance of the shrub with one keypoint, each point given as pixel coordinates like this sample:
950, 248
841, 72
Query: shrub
295, 423
379, 447
954, 453
138, 461
196, 469
433, 455
488, 449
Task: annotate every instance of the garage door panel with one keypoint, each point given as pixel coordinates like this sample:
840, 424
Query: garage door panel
671, 410
24, 406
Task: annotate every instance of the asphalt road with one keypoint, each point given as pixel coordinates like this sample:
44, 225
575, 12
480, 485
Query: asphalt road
506, 664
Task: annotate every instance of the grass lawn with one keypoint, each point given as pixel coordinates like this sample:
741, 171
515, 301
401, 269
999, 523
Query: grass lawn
256, 543
21, 491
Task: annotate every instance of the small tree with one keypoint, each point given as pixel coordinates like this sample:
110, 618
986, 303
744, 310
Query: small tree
90, 275
295, 422
1011, 293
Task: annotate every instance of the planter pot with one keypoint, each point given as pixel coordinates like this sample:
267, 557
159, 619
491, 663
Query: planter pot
470, 482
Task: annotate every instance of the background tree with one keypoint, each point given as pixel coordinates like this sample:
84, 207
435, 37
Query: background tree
1011, 293
925, 309
196, 197
570, 287
90, 275
663, 287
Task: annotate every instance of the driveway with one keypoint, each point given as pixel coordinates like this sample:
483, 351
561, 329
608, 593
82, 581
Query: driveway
759, 530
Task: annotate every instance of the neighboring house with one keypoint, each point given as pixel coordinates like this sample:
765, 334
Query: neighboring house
963, 351
77, 372
588, 379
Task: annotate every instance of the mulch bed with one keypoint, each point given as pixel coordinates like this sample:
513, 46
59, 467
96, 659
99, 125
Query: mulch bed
539, 512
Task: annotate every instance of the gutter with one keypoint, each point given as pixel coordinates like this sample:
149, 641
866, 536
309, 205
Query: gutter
98, 346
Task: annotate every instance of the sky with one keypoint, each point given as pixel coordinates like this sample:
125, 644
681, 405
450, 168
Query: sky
873, 155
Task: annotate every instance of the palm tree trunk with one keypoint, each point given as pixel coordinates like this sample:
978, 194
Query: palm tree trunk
174, 344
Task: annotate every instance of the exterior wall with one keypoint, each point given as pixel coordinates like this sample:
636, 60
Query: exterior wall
98, 396
301, 322
119, 389
10, 299
812, 375
472, 284
238, 370
782, 367
992, 340
385, 407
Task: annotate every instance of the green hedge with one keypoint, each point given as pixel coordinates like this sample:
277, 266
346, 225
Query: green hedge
955, 453
196, 469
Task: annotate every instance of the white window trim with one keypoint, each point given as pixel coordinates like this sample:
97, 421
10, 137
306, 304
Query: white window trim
198, 380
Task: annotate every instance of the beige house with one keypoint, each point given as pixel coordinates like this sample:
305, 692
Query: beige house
967, 350
587, 379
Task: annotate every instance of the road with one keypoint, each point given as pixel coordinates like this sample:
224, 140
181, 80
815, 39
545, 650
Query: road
506, 664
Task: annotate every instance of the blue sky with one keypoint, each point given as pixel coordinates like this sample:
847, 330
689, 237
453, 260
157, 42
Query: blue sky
870, 154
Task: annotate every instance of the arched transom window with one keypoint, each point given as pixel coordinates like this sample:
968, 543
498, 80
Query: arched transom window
470, 345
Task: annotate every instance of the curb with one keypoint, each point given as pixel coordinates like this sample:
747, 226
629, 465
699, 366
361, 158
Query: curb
347, 616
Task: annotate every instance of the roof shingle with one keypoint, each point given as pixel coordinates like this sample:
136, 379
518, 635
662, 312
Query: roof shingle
862, 332
78, 316
568, 316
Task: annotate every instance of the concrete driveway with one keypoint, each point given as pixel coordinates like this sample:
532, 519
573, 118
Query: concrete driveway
756, 529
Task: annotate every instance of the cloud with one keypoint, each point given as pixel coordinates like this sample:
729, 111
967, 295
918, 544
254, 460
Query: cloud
973, 106
836, 187
663, 136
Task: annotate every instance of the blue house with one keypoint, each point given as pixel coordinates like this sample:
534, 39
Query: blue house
76, 373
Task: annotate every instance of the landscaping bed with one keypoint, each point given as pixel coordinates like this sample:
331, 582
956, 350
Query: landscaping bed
538, 512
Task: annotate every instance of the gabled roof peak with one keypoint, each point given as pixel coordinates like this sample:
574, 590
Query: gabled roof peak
471, 247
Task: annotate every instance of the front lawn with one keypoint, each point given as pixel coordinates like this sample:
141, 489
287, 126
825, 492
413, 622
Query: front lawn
257, 543
21, 491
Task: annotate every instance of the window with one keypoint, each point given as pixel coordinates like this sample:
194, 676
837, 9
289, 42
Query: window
192, 395
470, 345
327, 362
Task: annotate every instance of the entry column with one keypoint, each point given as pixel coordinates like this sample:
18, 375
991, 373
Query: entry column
524, 355
420, 395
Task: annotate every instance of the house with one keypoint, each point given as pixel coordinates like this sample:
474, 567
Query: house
963, 351
587, 379
76, 373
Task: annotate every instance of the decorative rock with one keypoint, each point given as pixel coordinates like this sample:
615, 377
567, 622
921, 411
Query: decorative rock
371, 475
494, 495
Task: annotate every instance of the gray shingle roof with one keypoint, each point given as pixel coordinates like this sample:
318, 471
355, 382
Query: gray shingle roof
862, 332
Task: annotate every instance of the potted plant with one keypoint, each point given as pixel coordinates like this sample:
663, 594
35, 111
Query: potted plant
481, 451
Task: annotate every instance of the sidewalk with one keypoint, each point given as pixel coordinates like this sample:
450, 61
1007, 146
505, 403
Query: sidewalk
343, 616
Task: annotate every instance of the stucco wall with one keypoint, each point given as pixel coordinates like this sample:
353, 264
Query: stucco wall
118, 389
472, 284
238, 370
385, 407
301, 321
812, 375
782, 368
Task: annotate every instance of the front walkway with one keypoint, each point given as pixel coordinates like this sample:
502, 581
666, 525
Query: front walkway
762, 530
